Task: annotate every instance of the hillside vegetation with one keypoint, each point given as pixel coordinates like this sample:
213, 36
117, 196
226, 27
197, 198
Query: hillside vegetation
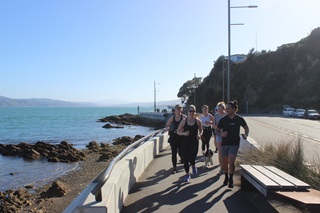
267, 80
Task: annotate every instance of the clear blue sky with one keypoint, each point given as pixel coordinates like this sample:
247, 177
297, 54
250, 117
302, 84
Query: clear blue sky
92, 50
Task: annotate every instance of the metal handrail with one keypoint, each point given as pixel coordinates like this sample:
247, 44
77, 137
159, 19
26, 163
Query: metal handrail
102, 178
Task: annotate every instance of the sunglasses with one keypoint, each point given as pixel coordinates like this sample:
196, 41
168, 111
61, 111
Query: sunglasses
191, 111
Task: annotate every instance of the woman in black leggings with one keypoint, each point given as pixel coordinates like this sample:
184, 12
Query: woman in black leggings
191, 129
206, 121
175, 140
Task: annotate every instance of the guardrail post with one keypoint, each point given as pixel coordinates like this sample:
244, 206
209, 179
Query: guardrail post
98, 196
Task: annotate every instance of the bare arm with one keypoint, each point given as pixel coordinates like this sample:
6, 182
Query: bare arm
200, 129
170, 120
246, 132
211, 119
180, 130
213, 123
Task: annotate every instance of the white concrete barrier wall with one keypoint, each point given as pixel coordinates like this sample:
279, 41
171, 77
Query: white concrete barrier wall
153, 115
248, 144
124, 175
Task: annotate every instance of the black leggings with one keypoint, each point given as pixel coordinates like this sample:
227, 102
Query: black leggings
190, 151
207, 133
176, 148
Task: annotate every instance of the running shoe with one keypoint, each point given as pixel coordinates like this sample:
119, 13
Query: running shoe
226, 180
194, 171
174, 170
230, 183
187, 178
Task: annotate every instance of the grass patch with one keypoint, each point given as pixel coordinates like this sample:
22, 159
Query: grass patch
287, 156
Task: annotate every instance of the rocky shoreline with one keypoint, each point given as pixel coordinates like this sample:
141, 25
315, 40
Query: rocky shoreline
58, 194
63, 152
64, 189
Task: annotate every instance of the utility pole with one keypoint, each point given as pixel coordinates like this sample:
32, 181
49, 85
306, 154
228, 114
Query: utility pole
223, 79
155, 91
229, 43
155, 95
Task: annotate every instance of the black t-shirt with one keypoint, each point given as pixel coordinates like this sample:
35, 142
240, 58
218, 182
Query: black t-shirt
232, 126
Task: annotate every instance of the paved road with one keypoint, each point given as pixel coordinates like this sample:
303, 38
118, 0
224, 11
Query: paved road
278, 129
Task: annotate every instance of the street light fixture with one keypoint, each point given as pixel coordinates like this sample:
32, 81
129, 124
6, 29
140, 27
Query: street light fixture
155, 95
229, 45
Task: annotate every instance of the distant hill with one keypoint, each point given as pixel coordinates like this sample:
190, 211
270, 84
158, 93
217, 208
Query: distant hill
44, 102
159, 104
267, 80
39, 102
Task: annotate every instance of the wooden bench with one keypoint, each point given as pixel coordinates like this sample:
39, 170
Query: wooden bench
269, 178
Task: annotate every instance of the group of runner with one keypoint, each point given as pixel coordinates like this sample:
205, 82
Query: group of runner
186, 130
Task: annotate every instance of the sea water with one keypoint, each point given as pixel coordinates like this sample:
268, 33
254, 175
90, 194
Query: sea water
76, 125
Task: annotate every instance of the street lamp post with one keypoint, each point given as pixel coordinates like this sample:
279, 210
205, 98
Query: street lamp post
195, 86
194, 91
228, 81
155, 99
155, 95
229, 43
223, 78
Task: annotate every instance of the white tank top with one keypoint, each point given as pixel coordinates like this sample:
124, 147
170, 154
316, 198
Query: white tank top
204, 119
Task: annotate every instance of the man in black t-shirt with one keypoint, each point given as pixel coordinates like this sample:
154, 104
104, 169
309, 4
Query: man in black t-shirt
229, 126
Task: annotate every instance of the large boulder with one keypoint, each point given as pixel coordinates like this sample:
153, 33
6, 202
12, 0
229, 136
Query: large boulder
93, 145
109, 126
106, 156
125, 141
57, 189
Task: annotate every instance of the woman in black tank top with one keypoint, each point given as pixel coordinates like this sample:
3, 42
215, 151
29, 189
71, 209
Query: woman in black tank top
175, 140
191, 130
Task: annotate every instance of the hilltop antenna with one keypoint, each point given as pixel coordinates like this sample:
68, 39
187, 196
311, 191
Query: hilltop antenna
256, 42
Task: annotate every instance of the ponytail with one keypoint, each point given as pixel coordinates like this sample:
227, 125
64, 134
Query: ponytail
234, 105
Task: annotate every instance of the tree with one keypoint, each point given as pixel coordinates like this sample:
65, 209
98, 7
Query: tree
188, 88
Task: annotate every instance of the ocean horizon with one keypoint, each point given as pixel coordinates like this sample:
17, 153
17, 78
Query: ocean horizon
76, 125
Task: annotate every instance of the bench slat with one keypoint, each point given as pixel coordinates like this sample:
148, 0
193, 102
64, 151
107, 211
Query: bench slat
298, 183
283, 183
259, 177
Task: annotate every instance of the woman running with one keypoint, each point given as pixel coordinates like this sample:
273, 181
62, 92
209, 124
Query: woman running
217, 117
175, 140
206, 120
191, 129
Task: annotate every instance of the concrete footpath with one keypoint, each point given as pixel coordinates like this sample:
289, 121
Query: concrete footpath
158, 190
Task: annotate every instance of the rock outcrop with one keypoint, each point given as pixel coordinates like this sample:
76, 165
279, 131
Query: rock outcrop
63, 152
14, 201
109, 126
108, 151
132, 120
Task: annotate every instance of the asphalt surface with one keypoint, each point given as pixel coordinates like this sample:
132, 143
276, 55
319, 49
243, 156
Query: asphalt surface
268, 130
158, 190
